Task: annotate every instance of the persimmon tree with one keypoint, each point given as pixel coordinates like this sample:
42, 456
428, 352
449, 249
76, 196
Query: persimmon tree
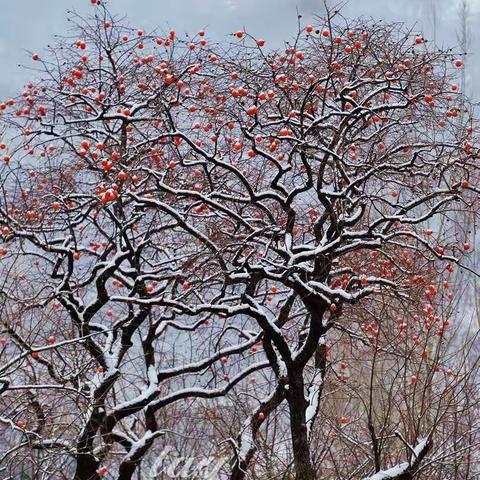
184, 222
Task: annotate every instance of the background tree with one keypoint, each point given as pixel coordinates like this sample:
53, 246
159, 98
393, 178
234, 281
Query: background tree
186, 224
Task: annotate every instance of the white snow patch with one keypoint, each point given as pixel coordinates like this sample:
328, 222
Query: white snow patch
246, 440
399, 469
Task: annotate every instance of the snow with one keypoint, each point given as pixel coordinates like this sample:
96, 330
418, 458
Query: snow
313, 398
288, 241
240, 276
420, 447
393, 472
146, 394
139, 444
266, 316
282, 367
246, 440
201, 364
208, 393
399, 469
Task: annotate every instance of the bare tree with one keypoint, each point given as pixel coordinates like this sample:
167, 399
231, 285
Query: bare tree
195, 233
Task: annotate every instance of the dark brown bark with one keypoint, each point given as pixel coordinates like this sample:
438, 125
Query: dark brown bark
297, 406
87, 468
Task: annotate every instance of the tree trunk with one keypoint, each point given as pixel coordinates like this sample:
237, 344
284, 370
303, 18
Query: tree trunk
297, 405
87, 468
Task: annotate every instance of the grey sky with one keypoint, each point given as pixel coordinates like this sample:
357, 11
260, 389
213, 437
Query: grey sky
31, 24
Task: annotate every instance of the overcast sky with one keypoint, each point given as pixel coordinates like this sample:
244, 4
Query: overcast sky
31, 24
